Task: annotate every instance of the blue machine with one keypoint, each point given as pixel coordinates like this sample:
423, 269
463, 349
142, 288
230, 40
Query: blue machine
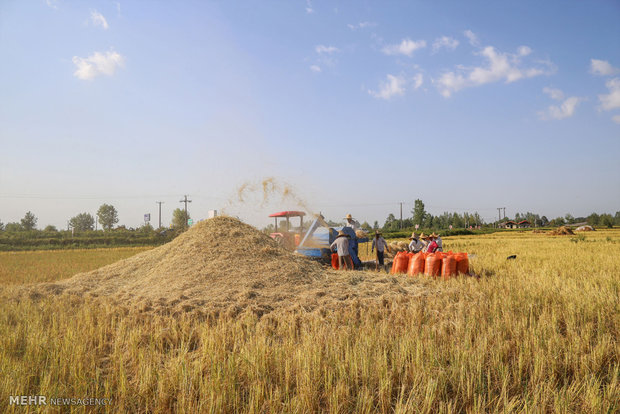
320, 236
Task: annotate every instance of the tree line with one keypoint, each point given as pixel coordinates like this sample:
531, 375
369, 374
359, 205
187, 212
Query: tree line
423, 219
107, 217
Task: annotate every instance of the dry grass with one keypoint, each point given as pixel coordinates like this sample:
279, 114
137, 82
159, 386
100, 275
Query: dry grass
535, 334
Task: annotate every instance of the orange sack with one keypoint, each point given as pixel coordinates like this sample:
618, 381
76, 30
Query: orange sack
335, 263
462, 263
432, 266
416, 264
448, 266
401, 261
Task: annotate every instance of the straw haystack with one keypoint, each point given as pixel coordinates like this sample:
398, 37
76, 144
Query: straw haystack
223, 265
585, 228
561, 231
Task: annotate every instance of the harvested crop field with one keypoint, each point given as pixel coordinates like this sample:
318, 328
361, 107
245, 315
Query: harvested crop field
222, 265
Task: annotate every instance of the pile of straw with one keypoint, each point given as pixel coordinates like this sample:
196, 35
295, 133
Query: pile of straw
222, 265
561, 231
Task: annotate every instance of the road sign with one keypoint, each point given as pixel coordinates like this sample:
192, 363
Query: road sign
190, 222
147, 217
417, 226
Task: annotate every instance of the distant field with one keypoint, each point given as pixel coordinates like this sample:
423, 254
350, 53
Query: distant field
50, 265
535, 334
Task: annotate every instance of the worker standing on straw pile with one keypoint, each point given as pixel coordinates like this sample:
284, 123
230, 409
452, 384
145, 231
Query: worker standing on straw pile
341, 245
380, 243
416, 245
351, 222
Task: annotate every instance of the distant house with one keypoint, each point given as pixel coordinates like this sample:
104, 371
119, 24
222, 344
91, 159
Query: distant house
523, 224
509, 224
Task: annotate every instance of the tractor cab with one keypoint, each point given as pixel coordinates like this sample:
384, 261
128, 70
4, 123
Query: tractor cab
283, 233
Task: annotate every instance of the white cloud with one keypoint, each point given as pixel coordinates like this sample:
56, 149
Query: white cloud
315, 68
309, 8
394, 85
320, 49
616, 119
612, 99
500, 67
418, 79
406, 47
361, 25
602, 68
473, 39
445, 41
524, 50
118, 7
98, 19
97, 64
555, 94
565, 110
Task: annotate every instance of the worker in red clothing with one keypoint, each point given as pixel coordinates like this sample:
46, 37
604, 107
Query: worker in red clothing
432, 245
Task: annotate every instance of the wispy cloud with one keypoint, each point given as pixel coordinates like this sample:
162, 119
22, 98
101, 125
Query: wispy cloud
499, 66
616, 119
321, 49
602, 68
309, 8
405, 47
52, 4
418, 79
565, 109
445, 42
97, 64
361, 25
98, 19
611, 100
315, 68
393, 86
471, 36
118, 7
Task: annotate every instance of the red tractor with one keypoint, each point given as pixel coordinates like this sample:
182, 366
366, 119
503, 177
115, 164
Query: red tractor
287, 238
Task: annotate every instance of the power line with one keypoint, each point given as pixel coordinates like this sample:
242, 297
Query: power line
185, 200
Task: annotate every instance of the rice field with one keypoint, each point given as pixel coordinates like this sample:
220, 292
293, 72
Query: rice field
535, 334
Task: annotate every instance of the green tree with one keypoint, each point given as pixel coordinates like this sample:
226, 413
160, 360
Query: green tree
179, 218
50, 229
29, 222
389, 222
418, 212
617, 218
569, 218
1, 226
593, 219
82, 222
376, 224
13, 227
108, 216
607, 220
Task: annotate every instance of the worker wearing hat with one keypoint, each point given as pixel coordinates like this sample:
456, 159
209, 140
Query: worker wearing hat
380, 243
416, 245
438, 241
341, 245
351, 222
431, 247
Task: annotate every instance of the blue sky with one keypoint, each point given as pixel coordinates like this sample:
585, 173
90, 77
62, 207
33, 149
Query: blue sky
356, 105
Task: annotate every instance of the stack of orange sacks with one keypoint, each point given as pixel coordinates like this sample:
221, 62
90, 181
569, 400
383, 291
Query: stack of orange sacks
440, 264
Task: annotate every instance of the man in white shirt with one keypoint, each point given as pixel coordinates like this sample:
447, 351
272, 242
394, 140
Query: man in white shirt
380, 243
341, 244
354, 224
416, 245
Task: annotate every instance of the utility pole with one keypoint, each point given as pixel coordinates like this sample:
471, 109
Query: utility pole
401, 215
504, 211
185, 200
160, 203
499, 213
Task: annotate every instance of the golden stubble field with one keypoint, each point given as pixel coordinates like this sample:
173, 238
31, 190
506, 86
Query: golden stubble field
535, 334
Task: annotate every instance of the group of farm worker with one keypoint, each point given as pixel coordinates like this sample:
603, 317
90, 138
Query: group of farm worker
419, 243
